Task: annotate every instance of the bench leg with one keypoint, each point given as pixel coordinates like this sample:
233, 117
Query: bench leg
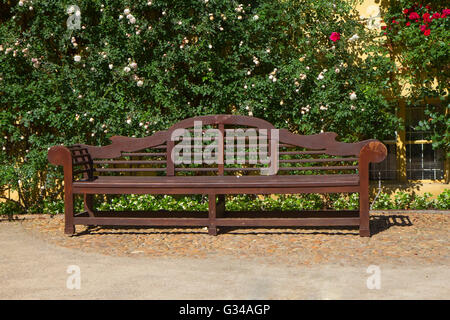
364, 219
69, 227
216, 210
89, 204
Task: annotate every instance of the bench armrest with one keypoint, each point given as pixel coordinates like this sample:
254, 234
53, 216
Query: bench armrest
372, 152
68, 158
60, 156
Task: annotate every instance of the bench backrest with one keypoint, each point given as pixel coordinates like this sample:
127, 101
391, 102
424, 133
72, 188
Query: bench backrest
297, 154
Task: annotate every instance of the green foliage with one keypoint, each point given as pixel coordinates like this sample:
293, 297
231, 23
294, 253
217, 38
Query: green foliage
443, 200
422, 202
350, 202
383, 202
402, 200
141, 71
10, 208
422, 49
153, 203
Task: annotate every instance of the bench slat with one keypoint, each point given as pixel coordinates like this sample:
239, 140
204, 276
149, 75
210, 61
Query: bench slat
317, 160
129, 169
143, 154
129, 161
318, 168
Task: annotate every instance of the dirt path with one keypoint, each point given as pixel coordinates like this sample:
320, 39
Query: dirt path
33, 268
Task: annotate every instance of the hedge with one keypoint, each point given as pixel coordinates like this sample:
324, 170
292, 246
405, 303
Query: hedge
135, 67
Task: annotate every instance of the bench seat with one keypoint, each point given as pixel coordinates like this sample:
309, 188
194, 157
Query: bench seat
212, 182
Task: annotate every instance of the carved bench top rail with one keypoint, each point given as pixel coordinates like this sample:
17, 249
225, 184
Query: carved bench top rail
223, 119
325, 142
297, 153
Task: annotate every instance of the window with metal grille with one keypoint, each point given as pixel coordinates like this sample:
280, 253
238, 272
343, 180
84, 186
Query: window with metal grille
422, 162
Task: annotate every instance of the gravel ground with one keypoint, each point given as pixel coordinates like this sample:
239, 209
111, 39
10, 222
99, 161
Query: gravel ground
402, 239
411, 251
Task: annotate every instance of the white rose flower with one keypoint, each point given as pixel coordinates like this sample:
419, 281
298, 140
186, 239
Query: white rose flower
126, 11
77, 58
140, 83
111, 66
320, 76
255, 17
129, 121
127, 69
353, 96
354, 37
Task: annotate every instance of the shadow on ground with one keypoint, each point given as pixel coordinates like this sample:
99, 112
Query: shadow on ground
378, 224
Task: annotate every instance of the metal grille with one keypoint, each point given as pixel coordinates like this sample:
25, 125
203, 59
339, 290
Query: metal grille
387, 169
423, 162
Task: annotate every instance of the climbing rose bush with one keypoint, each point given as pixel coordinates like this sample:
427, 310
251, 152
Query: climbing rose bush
416, 35
134, 67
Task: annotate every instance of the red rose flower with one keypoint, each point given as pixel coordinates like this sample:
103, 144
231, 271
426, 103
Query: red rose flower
383, 27
423, 27
408, 24
436, 15
426, 17
405, 11
335, 36
427, 32
414, 16
445, 12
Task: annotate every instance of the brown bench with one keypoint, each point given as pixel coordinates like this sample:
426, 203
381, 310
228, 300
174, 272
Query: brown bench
151, 165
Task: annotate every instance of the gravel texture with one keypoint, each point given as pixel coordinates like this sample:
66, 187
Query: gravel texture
402, 239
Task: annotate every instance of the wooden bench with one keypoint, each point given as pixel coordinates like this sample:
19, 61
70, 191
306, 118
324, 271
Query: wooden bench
306, 164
